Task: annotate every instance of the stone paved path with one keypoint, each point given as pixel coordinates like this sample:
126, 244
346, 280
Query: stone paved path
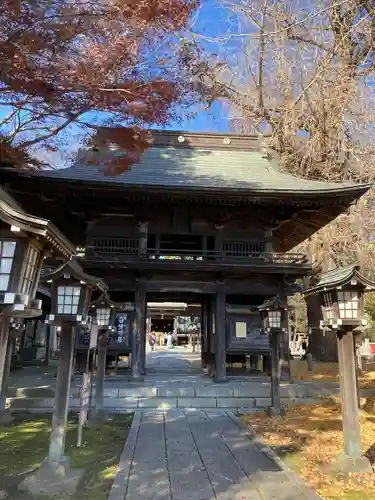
199, 456
178, 360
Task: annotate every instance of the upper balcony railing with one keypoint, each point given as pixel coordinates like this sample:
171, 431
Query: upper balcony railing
127, 249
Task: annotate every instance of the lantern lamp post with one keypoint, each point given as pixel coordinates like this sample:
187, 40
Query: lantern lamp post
341, 293
274, 314
103, 313
25, 241
71, 290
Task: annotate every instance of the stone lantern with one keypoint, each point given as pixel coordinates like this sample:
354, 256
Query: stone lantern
341, 293
274, 315
71, 291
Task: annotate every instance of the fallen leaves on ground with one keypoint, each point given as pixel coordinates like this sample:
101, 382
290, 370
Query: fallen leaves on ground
329, 372
309, 438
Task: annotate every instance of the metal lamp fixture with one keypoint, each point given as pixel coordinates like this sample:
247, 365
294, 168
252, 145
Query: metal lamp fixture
341, 295
71, 291
274, 314
103, 309
342, 305
25, 241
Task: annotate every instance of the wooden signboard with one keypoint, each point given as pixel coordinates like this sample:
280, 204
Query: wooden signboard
122, 329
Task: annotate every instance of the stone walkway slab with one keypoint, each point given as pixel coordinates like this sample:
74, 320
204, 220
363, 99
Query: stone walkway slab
199, 455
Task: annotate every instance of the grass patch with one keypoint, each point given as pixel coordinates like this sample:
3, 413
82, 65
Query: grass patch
24, 443
329, 372
310, 437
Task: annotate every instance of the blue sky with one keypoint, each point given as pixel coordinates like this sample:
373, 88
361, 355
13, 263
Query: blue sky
210, 20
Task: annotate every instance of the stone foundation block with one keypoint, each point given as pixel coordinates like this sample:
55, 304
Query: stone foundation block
160, 403
251, 390
138, 392
113, 403
235, 402
322, 392
175, 392
214, 391
292, 392
196, 402
262, 402
26, 403
52, 479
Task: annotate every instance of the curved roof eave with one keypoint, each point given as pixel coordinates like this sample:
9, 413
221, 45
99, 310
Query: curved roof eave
37, 225
338, 277
352, 189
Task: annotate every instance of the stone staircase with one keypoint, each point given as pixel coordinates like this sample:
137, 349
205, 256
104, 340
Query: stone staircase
194, 392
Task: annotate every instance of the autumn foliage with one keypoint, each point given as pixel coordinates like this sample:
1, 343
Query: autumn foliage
309, 439
99, 65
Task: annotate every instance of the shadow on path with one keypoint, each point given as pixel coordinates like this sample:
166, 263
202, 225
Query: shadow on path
199, 456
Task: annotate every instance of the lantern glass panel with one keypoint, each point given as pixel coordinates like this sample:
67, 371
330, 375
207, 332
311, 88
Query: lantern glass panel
7, 250
328, 305
68, 299
30, 269
348, 304
102, 316
274, 319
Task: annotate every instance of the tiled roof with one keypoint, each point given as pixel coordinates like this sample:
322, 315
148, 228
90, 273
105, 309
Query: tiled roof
73, 267
340, 276
273, 303
202, 168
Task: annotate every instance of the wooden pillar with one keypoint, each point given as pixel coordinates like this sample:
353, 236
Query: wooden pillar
142, 234
204, 246
268, 234
4, 340
203, 334
99, 413
219, 240
61, 405
210, 335
285, 370
210, 323
139, 331
275, 374
254, 362
48, 344
267, 364
349, 395
351, 460
5, 416
220, 337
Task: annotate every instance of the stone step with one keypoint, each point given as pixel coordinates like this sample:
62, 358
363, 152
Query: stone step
117, 404
153, 394
141, 390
